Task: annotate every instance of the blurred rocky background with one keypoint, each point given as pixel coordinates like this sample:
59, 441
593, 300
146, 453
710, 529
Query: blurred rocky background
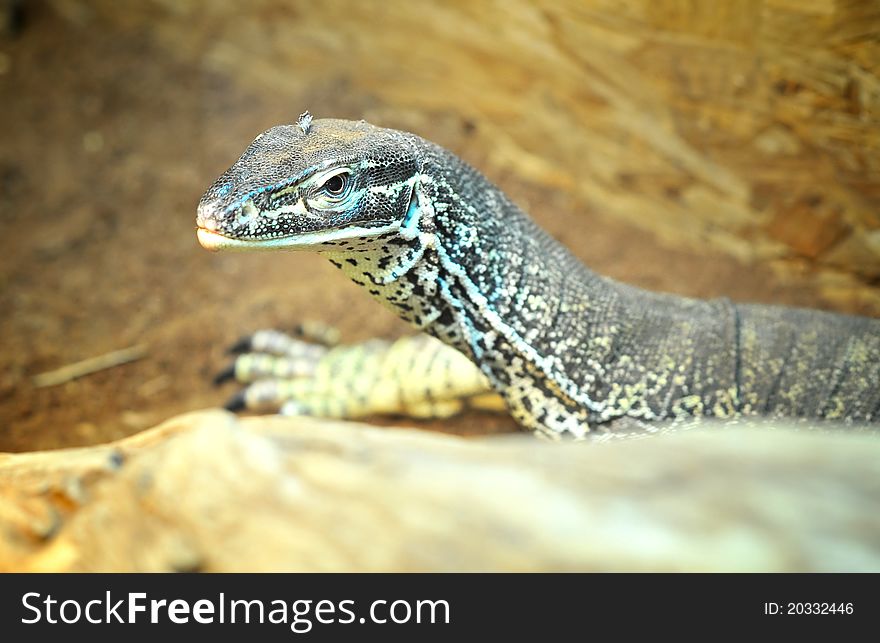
727, 148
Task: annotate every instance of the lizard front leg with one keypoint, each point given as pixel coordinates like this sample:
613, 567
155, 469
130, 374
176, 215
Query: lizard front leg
415, 376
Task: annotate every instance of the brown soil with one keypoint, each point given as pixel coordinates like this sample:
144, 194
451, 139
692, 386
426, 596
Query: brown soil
106, 144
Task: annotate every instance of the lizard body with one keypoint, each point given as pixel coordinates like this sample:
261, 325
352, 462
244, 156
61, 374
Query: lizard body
431, 238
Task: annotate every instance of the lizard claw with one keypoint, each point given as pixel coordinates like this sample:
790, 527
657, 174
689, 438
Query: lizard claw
225, 375
236, 402
243, 345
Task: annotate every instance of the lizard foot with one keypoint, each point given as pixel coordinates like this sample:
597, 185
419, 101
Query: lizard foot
415, 376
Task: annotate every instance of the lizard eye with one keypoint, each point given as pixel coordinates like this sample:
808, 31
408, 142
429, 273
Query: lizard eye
336, 185
330, 191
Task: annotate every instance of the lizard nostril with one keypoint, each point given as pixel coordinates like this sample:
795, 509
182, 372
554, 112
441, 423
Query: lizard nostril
206, 216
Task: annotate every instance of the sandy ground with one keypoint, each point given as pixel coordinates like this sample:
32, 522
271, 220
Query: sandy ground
106, 144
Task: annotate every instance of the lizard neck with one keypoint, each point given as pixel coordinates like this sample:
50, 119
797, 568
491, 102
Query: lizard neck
518, 302
400, 273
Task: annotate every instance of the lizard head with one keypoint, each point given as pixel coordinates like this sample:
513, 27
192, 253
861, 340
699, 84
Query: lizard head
311, 184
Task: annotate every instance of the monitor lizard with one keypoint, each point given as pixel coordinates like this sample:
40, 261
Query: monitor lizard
570, 352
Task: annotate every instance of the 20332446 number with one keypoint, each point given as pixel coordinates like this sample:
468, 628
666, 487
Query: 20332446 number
808, 608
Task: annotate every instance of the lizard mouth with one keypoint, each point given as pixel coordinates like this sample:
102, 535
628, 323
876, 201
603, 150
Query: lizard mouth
214, 241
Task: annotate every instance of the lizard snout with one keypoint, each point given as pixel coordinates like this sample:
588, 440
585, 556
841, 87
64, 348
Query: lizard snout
208, 215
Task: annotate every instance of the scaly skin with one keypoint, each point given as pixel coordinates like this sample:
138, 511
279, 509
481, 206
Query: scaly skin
431, 238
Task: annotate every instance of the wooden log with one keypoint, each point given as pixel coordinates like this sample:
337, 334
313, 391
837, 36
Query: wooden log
208, 491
